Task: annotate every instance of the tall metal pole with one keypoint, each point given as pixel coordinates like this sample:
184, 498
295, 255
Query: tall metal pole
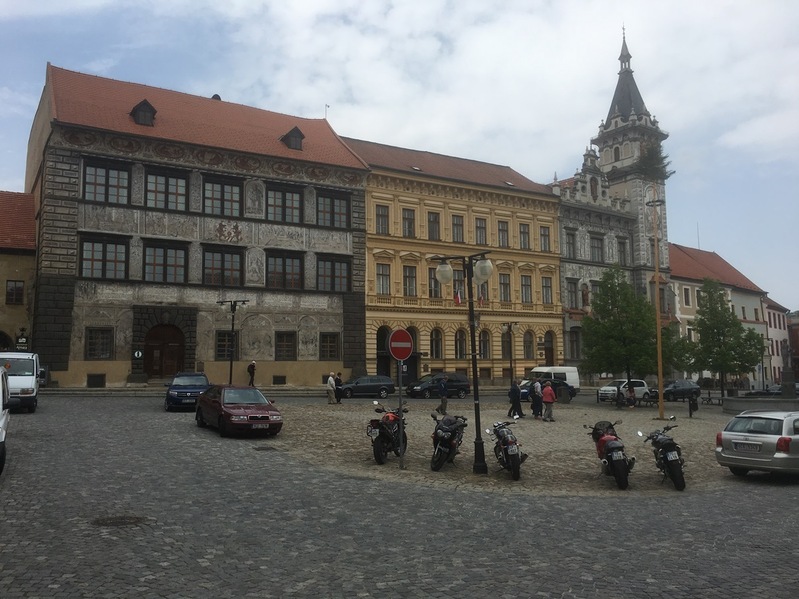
654, 204
232, 337
480, 466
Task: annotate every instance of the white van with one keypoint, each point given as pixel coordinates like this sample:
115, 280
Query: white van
24, 377
564, 373
4, 401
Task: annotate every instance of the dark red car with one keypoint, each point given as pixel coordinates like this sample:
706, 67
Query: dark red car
230, 408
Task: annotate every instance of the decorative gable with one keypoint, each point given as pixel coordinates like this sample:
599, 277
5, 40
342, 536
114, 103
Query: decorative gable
293, 139
144, 113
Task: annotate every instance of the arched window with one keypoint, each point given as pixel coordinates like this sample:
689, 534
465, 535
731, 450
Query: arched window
616, 153
506, 345
460, 344
529, 345
485, 345
436, 344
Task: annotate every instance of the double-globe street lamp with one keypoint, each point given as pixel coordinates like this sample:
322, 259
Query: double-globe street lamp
478, 270
234, 305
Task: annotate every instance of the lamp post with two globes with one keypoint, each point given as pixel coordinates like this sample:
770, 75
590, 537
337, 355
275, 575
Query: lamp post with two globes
234, 305
478, 270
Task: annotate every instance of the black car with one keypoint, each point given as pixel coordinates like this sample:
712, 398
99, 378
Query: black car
680, 389
427, 386
184, 390
369, 386
526, 385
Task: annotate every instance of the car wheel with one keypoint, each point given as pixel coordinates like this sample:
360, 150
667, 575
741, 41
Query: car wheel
32, 407
198, 417
222, 426
739, 471
348, 393
645, 397
167, 407
2, 456
461, 393
383, 393
427, 393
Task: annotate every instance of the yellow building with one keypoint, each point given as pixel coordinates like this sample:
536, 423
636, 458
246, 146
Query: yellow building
420, 206
17, 267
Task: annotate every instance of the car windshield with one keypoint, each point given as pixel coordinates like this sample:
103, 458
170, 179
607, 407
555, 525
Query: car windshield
190, 381
425, 378
248, 396
19, 366
755, 426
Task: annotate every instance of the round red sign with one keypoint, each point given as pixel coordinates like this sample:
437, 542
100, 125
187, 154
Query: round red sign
400, 344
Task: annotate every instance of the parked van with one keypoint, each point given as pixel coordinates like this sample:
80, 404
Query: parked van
24, 377
4, 401
563, 373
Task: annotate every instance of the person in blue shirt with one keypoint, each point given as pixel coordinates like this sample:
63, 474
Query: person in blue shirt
442, 394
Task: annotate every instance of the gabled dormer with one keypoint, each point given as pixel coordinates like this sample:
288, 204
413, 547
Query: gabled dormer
293, 139
144, 113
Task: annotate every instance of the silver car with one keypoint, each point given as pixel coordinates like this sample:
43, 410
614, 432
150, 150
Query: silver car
755, 440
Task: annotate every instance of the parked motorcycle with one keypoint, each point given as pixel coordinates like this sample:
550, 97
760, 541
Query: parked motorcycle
385, 433
668, 455
447, 438
507, 449
610, 451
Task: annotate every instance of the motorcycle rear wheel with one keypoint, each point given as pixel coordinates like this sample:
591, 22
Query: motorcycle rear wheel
438, 460
620, 473
380, 450
515, 466
675, 473
404, 445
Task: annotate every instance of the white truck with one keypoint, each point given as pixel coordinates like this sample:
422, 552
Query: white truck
24, 377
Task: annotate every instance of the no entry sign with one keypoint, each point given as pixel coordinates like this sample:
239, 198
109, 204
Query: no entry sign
400, 344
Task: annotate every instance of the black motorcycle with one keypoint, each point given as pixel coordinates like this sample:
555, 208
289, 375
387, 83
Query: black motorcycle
668, 455
610, 451
447, 438
385, 433
507, 449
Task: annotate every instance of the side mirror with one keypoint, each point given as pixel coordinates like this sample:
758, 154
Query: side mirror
488, 430
672, 418
375, 402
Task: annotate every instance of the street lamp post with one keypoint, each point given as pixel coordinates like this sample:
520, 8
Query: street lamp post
478, 269
234, 305
659, 335
510, 328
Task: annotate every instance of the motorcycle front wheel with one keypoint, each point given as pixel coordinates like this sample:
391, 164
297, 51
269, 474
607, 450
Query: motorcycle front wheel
380, 450
404, 445
515, 466
438, 460
675, 473
620, 473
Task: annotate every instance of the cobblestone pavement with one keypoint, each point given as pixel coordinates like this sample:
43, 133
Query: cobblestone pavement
113, 497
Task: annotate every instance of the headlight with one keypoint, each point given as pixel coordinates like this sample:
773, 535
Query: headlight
173, 394
237, 418
276, 417
26, 391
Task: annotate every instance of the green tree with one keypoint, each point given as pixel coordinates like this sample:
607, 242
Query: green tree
678, 351
619, 334
724, 346
653, 164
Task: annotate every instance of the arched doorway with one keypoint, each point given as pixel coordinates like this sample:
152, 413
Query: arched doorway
6, 343
164, 348
383, 357
549, 349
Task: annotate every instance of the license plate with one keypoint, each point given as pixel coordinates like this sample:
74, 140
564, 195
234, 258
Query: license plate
671, 456
513, 449
752, 447
260, 425
617, 455
188, 401
372, 432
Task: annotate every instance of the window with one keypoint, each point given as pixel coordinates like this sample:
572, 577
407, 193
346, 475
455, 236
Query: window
686, 296
329, 346
623, 253
574, 345
433, 286
166, 191
383, 272
546, 290
571, 245
285, 346
524, 236
457, 228
333, 274
480, 231
502, 234
104, 259
409, 281
528, 346
381, 220
482, 293
484, 350
460, 344
222, 267
99, 343
757, 314
527, 289
222, 198
433, 226
571, 294
506, 341
284, 271
594, 288
106, 182
743, 312
164, 264
333, 212
283, 206
459, 284
504, 287
408, 222
436, 344
543, 233
597, 249
227, 346
15, 292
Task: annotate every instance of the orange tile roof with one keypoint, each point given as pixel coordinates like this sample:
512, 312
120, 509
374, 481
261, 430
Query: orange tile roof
105, 104
690, 263
460, 170
17, 225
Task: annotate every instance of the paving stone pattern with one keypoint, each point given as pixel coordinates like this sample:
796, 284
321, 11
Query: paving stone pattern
112, 497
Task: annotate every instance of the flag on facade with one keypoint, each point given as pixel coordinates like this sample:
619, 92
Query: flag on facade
480, 299
457, 297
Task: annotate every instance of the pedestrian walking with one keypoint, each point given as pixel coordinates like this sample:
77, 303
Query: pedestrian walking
331, 388
631, 399
251, 372
339, 383
537, 400
515, 395
442, 394
549, 400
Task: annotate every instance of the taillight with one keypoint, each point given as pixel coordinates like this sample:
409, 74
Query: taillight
718, 439
784, 444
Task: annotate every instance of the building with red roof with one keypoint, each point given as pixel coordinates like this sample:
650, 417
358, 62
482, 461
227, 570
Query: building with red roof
17, 266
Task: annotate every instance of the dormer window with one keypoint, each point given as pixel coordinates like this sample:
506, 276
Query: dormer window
293, 139
143, 113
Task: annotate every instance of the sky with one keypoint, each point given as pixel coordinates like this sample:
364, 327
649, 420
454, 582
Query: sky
521, 83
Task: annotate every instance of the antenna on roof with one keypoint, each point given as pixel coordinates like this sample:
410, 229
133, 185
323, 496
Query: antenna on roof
326, 107
698, 245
